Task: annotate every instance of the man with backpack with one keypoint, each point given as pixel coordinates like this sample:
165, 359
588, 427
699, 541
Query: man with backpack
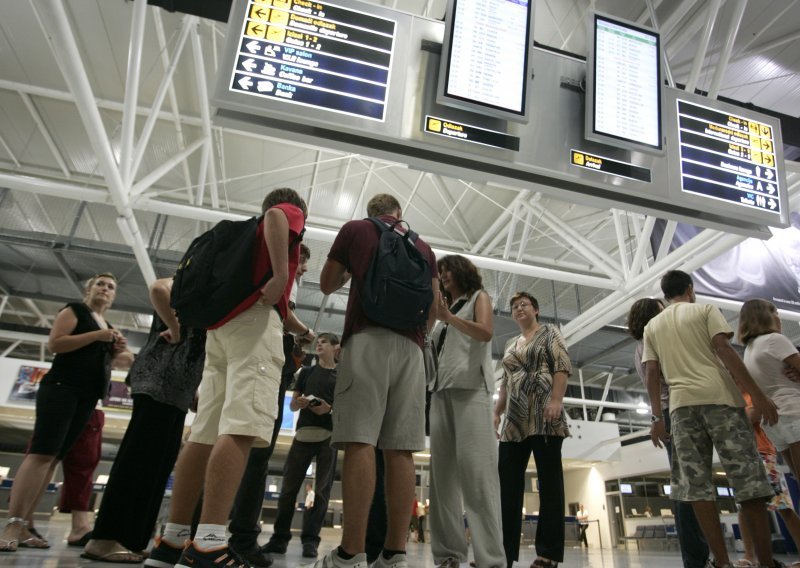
238, 393
380, 389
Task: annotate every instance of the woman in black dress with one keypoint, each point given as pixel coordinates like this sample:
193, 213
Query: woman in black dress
84, 345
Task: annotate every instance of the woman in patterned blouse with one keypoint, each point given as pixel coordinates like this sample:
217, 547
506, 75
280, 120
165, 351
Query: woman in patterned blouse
535, 370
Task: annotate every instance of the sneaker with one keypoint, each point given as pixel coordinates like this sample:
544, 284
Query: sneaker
333, 560
255, 557
163, 554
309, 550
192, 557
274, 547
396, 561
449, 563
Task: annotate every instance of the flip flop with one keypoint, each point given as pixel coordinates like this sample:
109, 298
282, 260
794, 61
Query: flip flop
83, 541
33, 542
9, 545
116, 557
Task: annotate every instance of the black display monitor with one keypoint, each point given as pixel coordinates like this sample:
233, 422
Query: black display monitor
623, 85
486, 57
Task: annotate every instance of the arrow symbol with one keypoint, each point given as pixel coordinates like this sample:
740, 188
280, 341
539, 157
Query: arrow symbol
770, 188
260, 13
253, 46
245, 83
772, 204
768, 174
257, 29
265, 86
249, 64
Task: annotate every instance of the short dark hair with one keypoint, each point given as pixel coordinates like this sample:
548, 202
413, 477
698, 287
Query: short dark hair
466, 274
284, 195
305, 251
332, 338
518, 296
382, 204
675, 283
642, 311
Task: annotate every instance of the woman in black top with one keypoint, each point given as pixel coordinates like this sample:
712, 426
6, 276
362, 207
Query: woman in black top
84, 345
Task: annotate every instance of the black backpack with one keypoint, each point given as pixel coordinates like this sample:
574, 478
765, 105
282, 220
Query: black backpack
396, 292
215, 274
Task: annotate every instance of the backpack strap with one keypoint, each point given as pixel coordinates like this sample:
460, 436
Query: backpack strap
383, 227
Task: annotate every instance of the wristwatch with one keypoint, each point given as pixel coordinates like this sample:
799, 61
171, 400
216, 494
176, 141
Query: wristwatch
654, 418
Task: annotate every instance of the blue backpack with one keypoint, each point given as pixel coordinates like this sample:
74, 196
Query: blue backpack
396, 292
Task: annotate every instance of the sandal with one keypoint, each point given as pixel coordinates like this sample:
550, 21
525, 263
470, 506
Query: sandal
123, 556
544, 563
11, 545
83, 541
743, 563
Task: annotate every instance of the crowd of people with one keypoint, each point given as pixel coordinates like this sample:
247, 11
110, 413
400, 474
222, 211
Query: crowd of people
366, 395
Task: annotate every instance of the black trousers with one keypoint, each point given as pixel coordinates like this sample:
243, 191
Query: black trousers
513, 460
246, 514
147, 454
377, 523
294, 473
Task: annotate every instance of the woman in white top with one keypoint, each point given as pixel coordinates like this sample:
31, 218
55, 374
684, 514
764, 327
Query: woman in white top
463, 441
768, 356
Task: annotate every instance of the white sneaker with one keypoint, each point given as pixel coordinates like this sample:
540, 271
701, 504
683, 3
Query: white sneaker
396, 561
449, 563
333, 560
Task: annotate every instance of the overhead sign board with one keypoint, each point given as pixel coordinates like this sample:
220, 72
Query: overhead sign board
602, 164
470, 133
729, 155
486, 57
315, 54
623, 85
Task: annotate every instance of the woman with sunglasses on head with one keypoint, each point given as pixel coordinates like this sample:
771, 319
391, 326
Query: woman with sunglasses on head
84, 345
536, 366
769, 357
463, 443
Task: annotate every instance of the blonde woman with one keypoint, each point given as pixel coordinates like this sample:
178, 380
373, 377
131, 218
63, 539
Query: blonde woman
768, 355
84, 345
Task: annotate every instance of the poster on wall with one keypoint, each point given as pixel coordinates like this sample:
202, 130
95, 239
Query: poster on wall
119, 395
768, 269
26, 385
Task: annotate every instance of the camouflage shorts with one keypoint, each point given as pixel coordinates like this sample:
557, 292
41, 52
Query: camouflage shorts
696, 432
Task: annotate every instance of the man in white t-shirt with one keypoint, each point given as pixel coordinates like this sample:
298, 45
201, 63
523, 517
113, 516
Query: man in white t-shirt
691, 343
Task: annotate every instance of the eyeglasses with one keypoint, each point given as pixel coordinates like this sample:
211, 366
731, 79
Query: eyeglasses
520, 306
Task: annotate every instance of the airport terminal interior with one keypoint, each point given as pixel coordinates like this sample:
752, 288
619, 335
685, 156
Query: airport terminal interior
130, 127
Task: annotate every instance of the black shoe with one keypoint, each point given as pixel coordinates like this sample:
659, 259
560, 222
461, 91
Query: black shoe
274, 547
215, 558
309, 550
255, 557
163, 554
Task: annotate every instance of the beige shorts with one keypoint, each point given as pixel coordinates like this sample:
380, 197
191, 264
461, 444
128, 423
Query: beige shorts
241, 378
380, 392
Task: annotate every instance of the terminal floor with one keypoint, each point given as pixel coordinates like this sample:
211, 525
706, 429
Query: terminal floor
62, 556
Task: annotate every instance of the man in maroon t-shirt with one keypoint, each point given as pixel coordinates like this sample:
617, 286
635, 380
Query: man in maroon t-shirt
380, 396
238, 393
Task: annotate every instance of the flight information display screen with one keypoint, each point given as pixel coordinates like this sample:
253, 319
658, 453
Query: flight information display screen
485, 58
315, 54
728, 157
623, 80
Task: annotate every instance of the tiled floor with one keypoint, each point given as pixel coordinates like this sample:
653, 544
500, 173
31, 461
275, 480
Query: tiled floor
419, 555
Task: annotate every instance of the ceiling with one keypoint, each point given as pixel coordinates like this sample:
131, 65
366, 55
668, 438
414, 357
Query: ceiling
95, 177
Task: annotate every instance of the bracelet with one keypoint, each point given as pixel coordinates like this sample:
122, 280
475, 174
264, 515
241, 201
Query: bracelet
306, 332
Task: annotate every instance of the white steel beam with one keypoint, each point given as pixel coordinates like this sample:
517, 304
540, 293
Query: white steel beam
48, 138
132, 88
722, 64
676, 16
651, 9
147, 181
205, 114
712, 11
154, 113
52, 15
173, 100
501, 219
10, 348
414, 190
8, 151
643, 245
438, 183
622, 244
666, 240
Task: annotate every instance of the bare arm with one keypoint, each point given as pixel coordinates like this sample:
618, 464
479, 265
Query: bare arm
334, 275
60, 340
658, 431
276, 236
481, 329
292, 324
500, 406
298, 401
793, 362
159, 296
730, 358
